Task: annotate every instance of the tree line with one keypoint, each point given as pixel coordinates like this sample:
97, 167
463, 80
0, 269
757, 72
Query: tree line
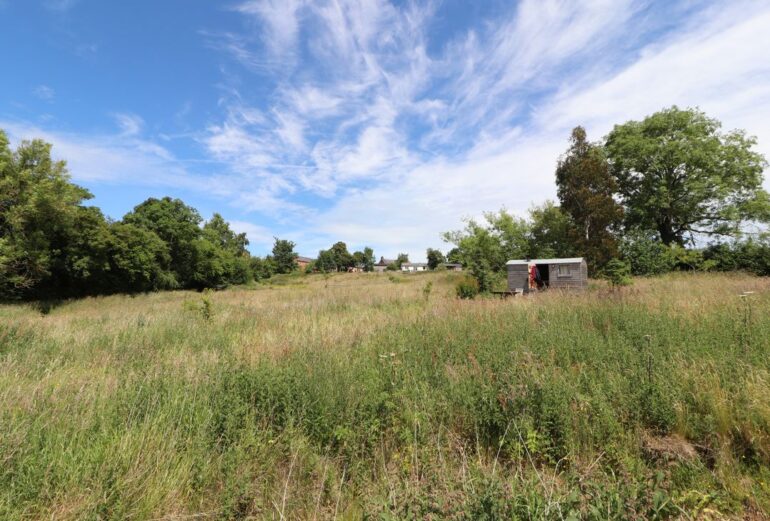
54, 246
650, 195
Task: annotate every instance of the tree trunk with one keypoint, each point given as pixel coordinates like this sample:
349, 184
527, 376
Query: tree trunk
667, 234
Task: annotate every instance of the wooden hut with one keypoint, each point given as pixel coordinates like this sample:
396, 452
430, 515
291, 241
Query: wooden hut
548, 273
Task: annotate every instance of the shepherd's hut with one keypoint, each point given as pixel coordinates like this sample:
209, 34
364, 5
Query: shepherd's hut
532, 274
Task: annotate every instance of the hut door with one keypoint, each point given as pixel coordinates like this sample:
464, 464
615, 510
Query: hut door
545, 276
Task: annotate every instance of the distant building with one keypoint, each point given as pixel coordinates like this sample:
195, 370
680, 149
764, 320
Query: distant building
303, 262
411, 267
383, 264
452, 266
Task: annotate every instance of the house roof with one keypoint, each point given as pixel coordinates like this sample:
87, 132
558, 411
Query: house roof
523, 262
415, 264
384, 262
304, 259
450, 264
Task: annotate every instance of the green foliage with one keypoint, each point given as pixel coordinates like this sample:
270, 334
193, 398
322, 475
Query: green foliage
752, 256
586, 188
203, 307
467, 288
368, 259
427, 289
51, 246
178, 225
284, 256
618, 273
454, 256
325, 263
679, 176
550, 232
38, 209
139, 260
342, 257
262, 269
646, 254
435, 257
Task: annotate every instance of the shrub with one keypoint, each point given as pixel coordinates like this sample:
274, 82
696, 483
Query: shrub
646, 255
467, 288
426, 290
618, 273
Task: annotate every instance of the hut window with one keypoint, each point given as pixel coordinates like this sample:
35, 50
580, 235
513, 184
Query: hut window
564, 270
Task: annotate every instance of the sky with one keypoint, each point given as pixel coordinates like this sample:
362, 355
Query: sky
376, 123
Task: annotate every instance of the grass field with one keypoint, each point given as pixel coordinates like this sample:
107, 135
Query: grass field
384, 397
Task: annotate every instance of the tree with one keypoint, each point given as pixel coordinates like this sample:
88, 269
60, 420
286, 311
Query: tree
679, 176
618, 273
218, 231
368, 260
454, 256
364, 259
262, 268
38, 209
139, 260
234, 257
342, 257
402, 259
284, 256
178, 226
585, 188
550, 233
489, 246
325, 262
435, 257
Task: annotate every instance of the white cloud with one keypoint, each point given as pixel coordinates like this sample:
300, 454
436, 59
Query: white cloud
44, 92
129, 124
114, 159
280, 23
399, 135
258, 236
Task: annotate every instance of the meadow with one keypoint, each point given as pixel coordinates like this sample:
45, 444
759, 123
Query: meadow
365, 396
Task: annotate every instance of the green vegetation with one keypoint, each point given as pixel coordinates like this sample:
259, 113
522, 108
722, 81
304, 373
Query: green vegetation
586, 189
678, 175
52, 246
651, 193
347, 396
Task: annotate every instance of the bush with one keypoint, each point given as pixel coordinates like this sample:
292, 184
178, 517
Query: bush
618, 273
646, 255
467, 288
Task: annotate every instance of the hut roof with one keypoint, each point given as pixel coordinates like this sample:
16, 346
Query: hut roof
523, 262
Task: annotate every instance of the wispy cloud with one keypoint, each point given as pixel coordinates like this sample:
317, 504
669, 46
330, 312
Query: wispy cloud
359, 121
406, 142
44, 92
129, 124
113, 159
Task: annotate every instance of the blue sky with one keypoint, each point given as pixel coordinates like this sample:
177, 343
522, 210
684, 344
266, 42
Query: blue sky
376, 123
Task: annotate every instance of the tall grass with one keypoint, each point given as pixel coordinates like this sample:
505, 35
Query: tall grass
354, 397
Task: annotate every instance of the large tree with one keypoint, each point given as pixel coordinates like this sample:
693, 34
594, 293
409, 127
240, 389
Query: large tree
435, 257
551, 232
680, 176
218, 231
284, 257
39, 207
585, 188
342, 257
178, 225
